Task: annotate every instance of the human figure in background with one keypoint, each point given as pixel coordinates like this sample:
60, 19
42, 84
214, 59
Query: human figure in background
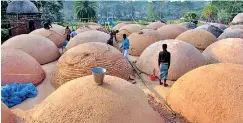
47, 25
73, 33
67, 32
164, 64
125, 46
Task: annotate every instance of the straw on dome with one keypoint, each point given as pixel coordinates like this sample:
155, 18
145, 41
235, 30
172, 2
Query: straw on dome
170, 31
212, 29
188, 25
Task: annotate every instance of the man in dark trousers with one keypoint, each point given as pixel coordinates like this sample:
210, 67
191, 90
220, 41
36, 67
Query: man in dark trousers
164, 64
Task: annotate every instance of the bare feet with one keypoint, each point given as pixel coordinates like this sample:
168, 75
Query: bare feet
165, 85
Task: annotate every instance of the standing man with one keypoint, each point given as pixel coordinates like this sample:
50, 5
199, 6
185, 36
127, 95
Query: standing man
67, 32
164, 64
125, 46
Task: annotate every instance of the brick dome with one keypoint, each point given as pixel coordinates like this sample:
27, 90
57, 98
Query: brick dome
212, 29
39, 47
155, 25
18, 66
82, 101
141, 40
79, 61
170, 31
51, 34
238, 19
128, 30
119, 25
184, 57
199, 38
209, 94
88, 36
233, 33
189, 25
6, 115
227, 51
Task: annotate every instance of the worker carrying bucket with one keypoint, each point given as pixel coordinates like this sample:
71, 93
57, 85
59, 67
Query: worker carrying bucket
99, 74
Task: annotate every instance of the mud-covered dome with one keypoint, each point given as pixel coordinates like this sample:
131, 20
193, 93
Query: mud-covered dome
155, 25
18, 66
199, 38
91, 26
39, 47
141, 40
21, 7
189, 25
58, 28
88, 36
233, 33
209, 94
234, 27
170, 31
51, 34
238, 19
119, 25
227, 51
128, 30
6, 115
184, 57
79, 60
82, 101
212, 29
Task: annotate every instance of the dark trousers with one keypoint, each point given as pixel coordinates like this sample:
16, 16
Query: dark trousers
68, 37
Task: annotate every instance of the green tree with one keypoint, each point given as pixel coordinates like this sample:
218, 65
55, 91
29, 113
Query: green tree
151, 11
210, 12
191, 17
86, 10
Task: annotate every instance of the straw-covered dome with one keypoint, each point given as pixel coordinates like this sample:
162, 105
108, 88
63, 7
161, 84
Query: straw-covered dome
21, 7
141, 40
119, 25
128, 30
212, 29
51, 34
209, 94
6, 115
170, 31
219, 25
18, 66
184, 57
88, 36
82, 101
189, 25
79, 61
227, 51
88, 27
199, 38
234, 33
39, 47
238, 19
155, 25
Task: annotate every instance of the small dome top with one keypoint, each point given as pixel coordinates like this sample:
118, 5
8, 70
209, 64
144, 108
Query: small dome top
128, 30
234, 27
209, 94
82, 101
238, 19
21, 7
155, 25
212, 29
189, 25
171, 31
233, 33
119, 25
88, 27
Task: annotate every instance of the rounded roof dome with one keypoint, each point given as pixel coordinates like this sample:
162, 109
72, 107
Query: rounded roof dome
212, 29
155, 25
188, 25
170, 31
20, 67
21, 7
128, 29
219, 25
234, 27
79, 60
119, 25
227, 51
234, 33
209, 94
39, 47
238, 19
82, 101
199, 38
88, 36
184, 57
58, 28
6, 115
51, 34
141, 40
88, 27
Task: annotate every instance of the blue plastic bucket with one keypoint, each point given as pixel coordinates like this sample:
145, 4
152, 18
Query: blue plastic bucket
99, 74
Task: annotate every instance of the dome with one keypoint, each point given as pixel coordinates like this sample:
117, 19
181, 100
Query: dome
18, 66
234, 27
219, 25
39, 47
141, 40
88, 36
82, 101
238, 19
119, 25
79, 60
209, 94
51, 34
189, 25
170, 31
212, 29
87, 27
184, 57
234, 33
199, 38
155, 25
128, 29
21, 7
58, 28
227, 51
6, 115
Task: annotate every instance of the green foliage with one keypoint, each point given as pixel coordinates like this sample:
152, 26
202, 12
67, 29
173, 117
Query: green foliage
191, 17
210, 12
223, 16
151, 12
86, 10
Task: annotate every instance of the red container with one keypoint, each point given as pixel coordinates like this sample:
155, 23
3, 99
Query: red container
152, 77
